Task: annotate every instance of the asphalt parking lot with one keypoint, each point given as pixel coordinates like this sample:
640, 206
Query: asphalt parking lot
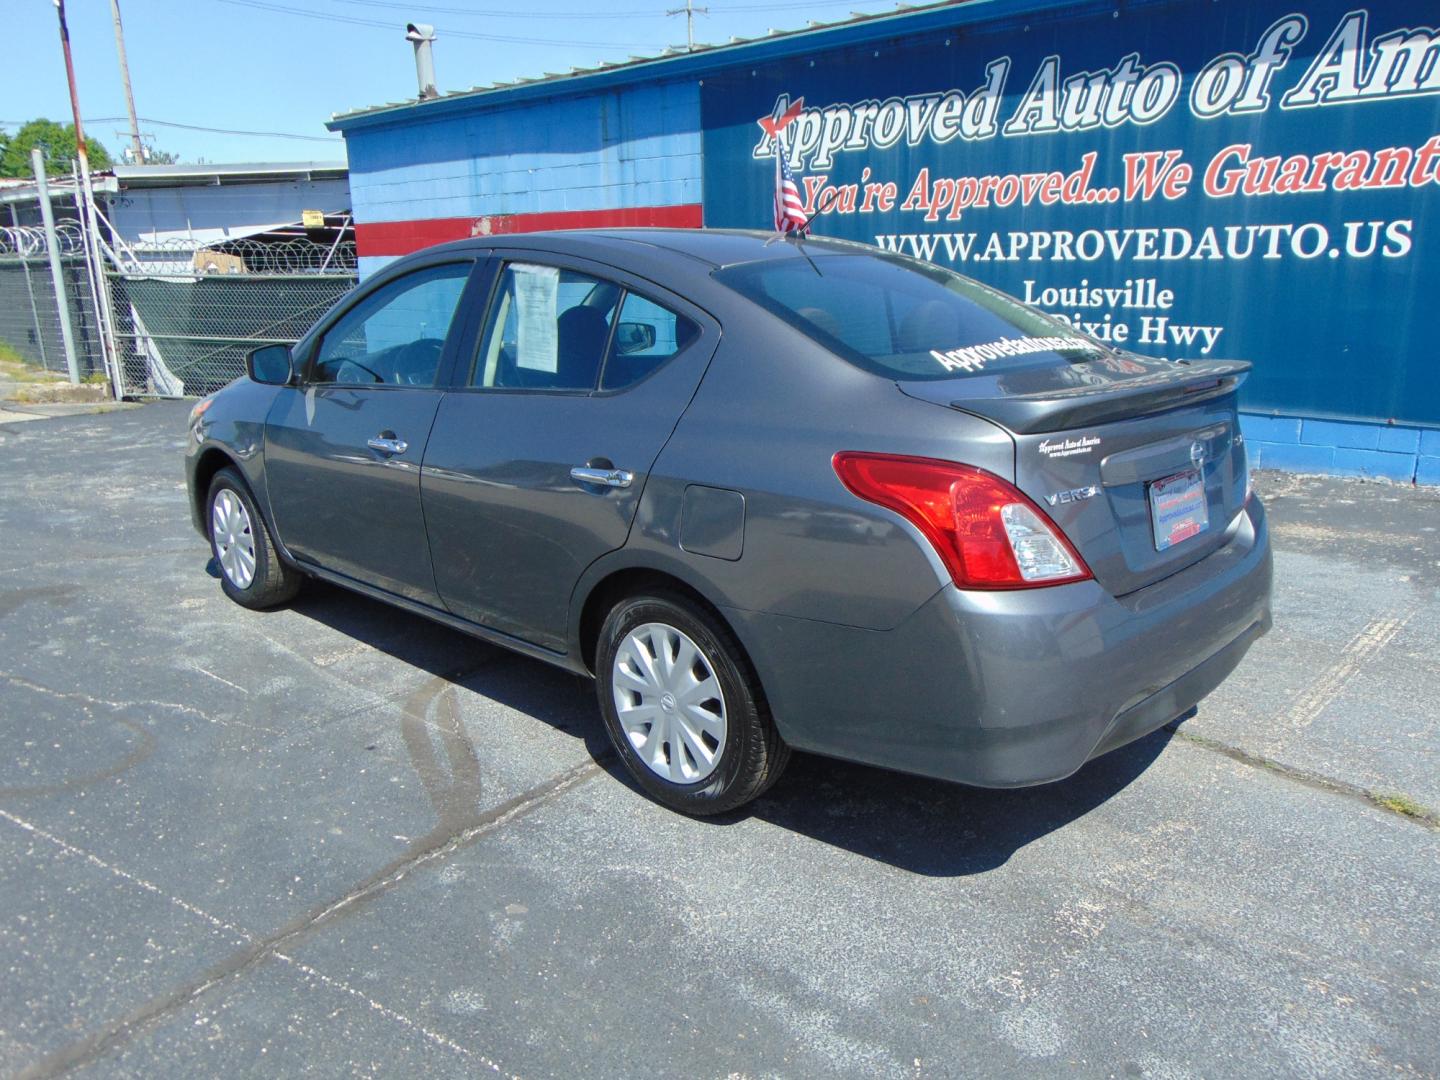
339, 840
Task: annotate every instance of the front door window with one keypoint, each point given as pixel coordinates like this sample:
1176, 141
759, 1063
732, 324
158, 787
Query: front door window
394, 336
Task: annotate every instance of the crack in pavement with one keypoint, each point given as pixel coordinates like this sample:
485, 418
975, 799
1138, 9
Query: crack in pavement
439, 845
220, 924
1420, 815
145, 703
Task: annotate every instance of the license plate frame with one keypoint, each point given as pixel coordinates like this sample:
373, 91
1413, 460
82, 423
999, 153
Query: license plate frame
1178, 508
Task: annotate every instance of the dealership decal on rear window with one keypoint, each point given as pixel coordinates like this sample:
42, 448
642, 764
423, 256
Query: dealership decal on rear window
974, 357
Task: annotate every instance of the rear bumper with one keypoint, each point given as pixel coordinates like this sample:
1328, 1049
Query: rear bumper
1017, 688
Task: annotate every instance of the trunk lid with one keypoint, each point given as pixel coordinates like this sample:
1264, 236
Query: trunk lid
1093, 438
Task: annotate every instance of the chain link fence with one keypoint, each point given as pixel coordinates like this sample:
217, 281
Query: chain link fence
29, 315
182, 315
185, 315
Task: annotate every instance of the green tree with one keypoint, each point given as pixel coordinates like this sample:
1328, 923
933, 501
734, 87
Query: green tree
161, 157
57, 141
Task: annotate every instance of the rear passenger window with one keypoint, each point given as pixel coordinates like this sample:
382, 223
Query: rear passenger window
547, 330
646, 336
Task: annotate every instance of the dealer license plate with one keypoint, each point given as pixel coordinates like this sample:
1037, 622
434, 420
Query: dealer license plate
1177, 508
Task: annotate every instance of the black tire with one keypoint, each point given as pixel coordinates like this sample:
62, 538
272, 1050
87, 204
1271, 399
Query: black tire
752, 754
272, 582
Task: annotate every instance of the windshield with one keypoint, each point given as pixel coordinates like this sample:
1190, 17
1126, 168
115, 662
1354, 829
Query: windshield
907, 319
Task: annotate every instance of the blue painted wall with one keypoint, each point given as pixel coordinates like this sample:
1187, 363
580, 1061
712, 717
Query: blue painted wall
638, 146
1340, 332
634, 146
1013, 153
1399, 452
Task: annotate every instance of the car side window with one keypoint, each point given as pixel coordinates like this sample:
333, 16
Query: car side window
547, 330
646, 336
396, 334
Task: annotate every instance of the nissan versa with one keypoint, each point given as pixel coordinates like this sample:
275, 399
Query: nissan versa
771, 494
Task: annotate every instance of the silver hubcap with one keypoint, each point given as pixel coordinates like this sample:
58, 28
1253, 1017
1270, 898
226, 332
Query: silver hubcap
234, 538
670, 703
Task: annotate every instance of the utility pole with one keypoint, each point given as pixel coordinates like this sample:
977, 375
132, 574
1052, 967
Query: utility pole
89, 226
689, 11
80, 150
136, 145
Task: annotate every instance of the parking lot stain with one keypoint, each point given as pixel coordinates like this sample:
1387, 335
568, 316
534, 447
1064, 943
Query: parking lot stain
11, 599
1354, 658
453, 785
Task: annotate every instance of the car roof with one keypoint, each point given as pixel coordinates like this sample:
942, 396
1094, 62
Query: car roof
713, 247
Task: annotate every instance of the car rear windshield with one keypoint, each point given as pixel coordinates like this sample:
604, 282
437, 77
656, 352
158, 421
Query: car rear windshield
906, 319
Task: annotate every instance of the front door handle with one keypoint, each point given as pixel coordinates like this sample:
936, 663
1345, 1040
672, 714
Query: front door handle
617, 478
387, 444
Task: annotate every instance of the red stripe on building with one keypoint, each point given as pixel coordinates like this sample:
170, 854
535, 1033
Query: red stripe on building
403, 237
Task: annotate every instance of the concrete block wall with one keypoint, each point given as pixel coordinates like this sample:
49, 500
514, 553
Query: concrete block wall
1400, 452
627, 156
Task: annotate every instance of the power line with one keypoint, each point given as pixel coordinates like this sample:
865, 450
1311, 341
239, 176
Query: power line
229, 131
356, 20
195, 127
520, 13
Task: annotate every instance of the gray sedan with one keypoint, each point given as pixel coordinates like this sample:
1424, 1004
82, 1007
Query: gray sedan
770, 494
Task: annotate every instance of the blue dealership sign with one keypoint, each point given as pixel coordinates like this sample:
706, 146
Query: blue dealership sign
1184, 179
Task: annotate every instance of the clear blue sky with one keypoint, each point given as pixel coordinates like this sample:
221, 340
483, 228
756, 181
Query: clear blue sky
287, 65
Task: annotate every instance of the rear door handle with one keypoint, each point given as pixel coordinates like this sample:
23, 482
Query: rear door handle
617, 478
387, 445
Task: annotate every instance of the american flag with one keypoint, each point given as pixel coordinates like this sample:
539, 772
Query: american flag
789, 211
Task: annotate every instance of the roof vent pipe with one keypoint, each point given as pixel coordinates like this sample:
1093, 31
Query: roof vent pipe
422, 34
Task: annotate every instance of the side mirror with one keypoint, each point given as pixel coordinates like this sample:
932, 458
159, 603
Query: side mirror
270, 364
633, 337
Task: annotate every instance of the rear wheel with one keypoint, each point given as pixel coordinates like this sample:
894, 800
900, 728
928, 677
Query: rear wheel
251, 573
682, 706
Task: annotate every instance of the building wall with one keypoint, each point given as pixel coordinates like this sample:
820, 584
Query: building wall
1344, 353
214, 212
624, 157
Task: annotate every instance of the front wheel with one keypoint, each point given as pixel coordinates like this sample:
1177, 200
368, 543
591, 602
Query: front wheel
683, 707
251, 573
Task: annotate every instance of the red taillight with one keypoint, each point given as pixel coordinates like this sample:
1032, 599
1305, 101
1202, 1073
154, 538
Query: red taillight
989, 535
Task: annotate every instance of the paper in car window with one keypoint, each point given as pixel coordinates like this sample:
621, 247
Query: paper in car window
536, 291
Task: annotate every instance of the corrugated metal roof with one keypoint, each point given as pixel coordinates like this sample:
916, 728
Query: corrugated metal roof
704, 55
231, 173
120, 177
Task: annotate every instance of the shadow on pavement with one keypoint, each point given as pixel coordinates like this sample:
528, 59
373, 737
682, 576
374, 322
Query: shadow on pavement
925, 826
936, 828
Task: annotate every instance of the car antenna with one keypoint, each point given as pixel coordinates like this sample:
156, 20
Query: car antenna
800, 235
821, 207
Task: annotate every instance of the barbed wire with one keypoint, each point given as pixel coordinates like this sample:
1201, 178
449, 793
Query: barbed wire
247, 255
243, 256
28, 241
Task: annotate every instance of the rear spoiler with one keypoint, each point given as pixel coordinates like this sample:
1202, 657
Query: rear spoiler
1181, 383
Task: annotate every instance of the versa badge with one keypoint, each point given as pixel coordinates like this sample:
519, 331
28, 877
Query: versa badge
1059, 498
